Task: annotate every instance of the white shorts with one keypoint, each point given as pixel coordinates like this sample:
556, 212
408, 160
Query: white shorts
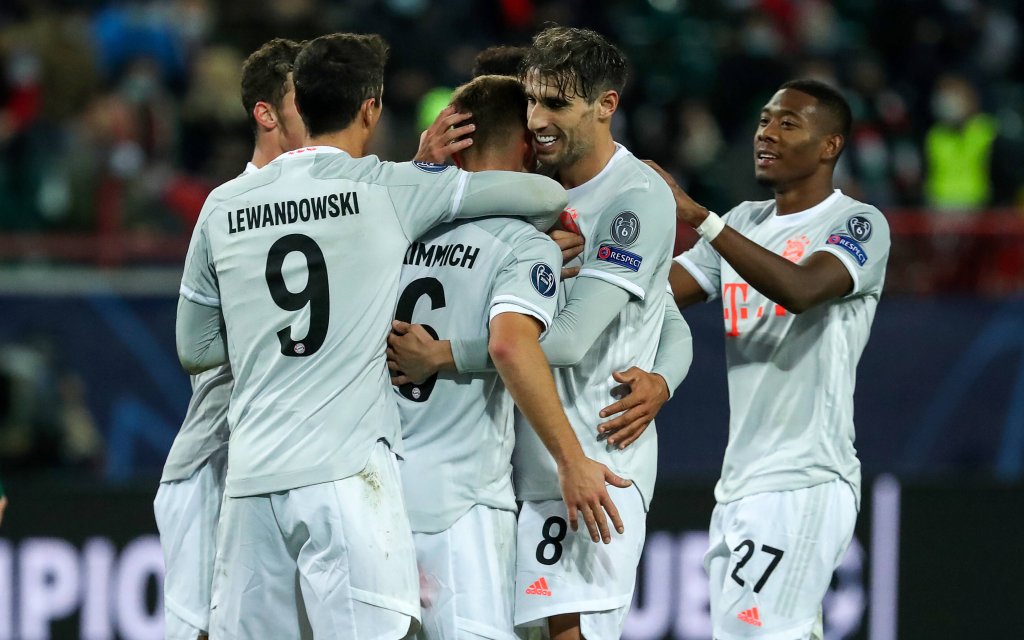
559, 570
187, 512
771, 558
334, 560
467, 574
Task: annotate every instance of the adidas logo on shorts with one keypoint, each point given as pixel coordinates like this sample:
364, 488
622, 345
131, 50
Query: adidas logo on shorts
751, 616
539, 588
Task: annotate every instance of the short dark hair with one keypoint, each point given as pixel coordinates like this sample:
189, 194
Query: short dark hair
498, 105
265, 75
499, 61
830, 100
334, 75
578, 62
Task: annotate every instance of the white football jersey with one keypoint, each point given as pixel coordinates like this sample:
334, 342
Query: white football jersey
458, 428
791, 377
303, 259
626, 214
205, 427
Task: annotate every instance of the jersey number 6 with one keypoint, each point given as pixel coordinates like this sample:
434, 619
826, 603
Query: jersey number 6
432, 288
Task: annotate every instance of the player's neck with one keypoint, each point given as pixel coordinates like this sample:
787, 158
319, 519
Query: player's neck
795, 199
491, 162
589, 165
350, 140
264, 152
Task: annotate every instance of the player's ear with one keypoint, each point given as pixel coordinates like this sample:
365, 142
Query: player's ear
370, 112
607, 104
833, 146
265, 115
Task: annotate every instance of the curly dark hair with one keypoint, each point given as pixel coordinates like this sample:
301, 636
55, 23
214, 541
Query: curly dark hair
265, 75
578, 62
334, 75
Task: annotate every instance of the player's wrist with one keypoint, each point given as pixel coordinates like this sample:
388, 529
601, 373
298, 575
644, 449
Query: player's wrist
441, 357
710, 226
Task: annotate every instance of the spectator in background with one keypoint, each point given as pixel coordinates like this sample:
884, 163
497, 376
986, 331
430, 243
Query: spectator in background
3, 502
958, 148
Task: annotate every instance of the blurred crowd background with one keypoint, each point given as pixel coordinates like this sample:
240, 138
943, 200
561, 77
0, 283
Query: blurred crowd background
118, 117
122, 115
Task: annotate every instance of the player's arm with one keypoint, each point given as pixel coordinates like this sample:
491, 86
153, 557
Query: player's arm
648, 392
591, 307
521, 364
199, 335
537, 199
199, 326
685, 289
797, 287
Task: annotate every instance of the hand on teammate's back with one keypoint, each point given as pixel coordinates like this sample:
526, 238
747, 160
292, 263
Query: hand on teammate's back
583, 490
412, 353
571, 245
3, 505
441, 139
647, 392
687, 210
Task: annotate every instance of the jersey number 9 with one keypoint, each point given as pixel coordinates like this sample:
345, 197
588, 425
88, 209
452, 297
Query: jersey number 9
316, 294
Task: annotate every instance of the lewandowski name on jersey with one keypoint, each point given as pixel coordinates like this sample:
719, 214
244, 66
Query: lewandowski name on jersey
292, 211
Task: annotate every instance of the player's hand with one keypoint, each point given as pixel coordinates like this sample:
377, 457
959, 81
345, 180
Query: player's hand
441, 139
410, 353
582, 482
571, 245
3, 505
687, 210
647, 393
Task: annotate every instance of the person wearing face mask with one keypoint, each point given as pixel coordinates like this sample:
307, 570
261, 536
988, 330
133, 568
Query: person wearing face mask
958, 148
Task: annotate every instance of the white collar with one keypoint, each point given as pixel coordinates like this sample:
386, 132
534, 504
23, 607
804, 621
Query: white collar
316, 150
578, 190
800, 216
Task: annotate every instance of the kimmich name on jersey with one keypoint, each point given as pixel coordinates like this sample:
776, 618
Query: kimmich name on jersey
441, 255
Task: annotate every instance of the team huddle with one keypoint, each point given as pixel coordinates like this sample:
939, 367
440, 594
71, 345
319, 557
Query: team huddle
424, 392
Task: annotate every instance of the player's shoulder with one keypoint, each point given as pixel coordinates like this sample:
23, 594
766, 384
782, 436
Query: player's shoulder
396, 174
368, 169
236, 188
859, 218
634, 179
512, 234
749, 213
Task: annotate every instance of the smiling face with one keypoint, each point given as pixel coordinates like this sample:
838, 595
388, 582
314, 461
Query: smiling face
795, 140
563, 127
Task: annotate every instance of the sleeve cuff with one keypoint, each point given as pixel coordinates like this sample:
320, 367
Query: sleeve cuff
460, 190
198, 298
847, 262
698, 275
504, 304
618, 281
